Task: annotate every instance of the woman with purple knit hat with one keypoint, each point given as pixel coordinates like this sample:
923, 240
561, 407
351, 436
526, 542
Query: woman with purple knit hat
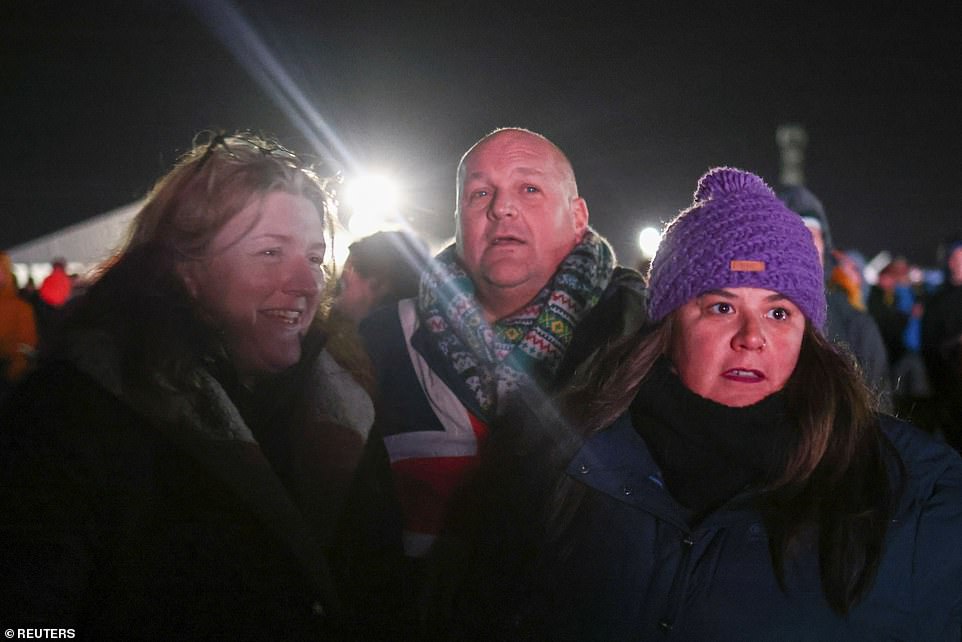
727, 475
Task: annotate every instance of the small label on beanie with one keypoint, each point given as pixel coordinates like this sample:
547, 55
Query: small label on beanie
747, 266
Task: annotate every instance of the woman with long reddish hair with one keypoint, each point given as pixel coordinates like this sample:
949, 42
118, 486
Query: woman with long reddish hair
175, 467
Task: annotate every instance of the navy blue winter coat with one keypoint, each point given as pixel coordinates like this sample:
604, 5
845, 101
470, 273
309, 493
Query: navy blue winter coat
640, 573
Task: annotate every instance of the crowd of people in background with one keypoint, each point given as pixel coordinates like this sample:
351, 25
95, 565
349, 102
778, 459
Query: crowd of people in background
221, 437
29, 316
880, 321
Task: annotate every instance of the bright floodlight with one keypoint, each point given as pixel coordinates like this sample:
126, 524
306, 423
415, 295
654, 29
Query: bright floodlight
648, 241
373, 203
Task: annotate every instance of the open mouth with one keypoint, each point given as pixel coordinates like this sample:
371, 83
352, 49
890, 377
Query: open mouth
507, 240
744, 375
287, 317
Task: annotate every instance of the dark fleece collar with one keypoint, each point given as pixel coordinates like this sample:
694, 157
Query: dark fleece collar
708, 452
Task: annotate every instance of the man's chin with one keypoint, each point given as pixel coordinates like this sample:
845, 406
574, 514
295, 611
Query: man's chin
506, 276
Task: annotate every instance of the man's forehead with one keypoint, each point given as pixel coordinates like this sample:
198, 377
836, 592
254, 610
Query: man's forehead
477, 173
519, 152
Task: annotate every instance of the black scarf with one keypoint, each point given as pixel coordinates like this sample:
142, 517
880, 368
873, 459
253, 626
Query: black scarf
709, 452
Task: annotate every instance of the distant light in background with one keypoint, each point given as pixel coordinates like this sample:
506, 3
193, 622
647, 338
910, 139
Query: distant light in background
340, 249
21, 272
648, 241
373, 203
875, 265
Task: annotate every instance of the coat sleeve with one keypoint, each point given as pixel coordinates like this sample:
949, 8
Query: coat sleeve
938, 557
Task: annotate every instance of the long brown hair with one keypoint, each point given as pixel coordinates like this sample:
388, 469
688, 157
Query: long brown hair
834, 487
139, 297
214, 181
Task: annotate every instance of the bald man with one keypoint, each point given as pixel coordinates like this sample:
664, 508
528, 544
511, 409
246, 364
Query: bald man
524, 295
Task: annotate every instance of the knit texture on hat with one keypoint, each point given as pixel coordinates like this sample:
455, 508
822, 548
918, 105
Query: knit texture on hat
737, 233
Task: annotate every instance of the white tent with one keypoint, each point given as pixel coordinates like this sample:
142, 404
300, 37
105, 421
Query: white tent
83, 245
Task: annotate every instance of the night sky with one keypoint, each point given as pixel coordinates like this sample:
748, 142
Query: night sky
99, 98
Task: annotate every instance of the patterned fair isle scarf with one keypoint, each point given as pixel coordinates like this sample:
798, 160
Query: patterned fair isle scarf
493, 360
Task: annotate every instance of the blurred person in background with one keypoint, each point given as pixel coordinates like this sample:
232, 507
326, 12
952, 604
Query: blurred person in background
897, 310
56, 287
891, 303
52, 295
381, 269
847, 276
18, 330
175, 467
846, 325
29, 289
942, 343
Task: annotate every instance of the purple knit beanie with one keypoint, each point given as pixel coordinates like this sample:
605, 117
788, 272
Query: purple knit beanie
737, 233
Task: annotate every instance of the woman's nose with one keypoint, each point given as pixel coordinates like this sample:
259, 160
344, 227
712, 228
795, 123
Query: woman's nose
749, 336
304, 278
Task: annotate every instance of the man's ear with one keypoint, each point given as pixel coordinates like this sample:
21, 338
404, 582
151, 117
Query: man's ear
458, 238
580, 211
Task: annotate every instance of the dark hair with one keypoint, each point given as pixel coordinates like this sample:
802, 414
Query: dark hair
394, 258
835, 485
154, 325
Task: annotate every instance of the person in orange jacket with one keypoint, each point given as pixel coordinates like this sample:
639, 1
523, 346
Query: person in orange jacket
18, 328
